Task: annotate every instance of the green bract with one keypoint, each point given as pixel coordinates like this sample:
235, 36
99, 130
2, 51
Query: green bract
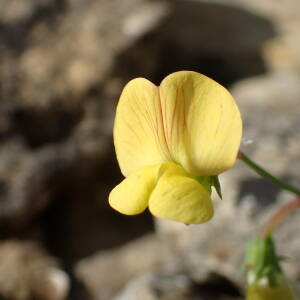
265, 278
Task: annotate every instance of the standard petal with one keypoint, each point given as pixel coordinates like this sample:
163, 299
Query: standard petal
138, 130
202, 123
131, 196
180, 198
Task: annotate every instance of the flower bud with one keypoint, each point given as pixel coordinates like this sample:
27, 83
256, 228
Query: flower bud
265, 277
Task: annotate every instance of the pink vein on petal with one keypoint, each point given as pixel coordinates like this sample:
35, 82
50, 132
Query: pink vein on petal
174, 116
163, 121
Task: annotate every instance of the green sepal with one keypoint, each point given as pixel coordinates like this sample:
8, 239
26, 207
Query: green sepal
205, 181
216, 184
208, 182
262, 261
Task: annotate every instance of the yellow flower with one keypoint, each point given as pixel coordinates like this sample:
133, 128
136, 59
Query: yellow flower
170, 140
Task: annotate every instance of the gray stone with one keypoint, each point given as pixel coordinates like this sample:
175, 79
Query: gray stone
108, 271
27, 272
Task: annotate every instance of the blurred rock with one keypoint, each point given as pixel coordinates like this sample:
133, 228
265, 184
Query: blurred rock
281, 53
146, 287
222, 41
107, 271
271, 122
172, 283
27, 272
29, 188
66, 47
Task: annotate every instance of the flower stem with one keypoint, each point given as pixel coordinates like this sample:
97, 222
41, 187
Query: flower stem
261, 171
278, 217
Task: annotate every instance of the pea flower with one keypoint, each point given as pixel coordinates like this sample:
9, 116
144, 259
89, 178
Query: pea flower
171, 143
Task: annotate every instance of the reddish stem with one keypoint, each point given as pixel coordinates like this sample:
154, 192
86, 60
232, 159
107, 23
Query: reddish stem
240, 155
278, 217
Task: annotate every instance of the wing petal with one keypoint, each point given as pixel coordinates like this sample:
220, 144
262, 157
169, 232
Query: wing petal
138, 130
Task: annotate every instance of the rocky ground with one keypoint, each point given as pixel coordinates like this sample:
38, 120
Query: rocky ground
63, 64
